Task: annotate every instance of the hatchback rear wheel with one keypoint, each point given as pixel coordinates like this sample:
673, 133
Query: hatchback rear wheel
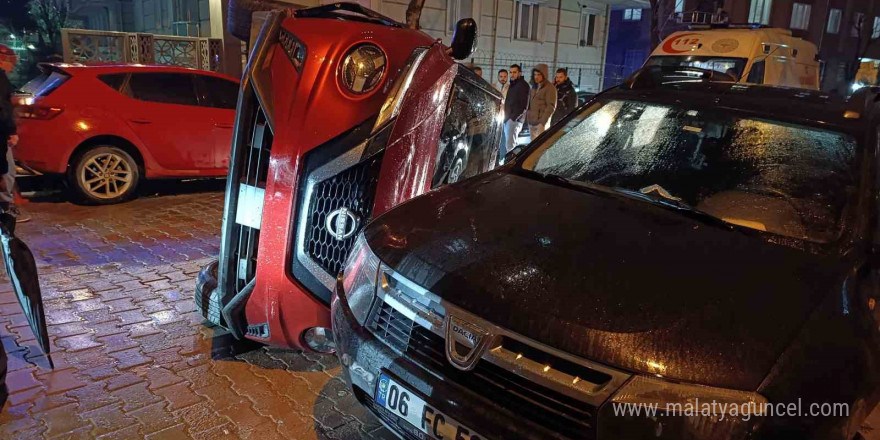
104, 175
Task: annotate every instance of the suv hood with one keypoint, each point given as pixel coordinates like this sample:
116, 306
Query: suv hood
615, 280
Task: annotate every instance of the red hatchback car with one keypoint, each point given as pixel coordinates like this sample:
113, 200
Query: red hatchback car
344, 114
107, 127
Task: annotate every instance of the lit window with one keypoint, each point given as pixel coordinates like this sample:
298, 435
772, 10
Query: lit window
679, 6
632, 14
458, 9
834, 21
760, 11
800, 16
875, 33
588, 29
526, 23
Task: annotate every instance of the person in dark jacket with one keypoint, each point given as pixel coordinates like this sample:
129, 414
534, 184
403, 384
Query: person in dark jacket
566, 96
542, 101
516, 103
8, 134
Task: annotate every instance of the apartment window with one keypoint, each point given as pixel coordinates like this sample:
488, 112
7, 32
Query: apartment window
834, 21
458, 9
800, 16
632, 14
857, 23
875, 32
588, 29
760, 11
679, 6
526, 25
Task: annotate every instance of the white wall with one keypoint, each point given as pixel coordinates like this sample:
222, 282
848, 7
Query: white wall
585, 63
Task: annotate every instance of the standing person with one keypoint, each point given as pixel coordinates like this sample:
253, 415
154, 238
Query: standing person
566, 97
515, 106
542, 102
502, 84
8, 134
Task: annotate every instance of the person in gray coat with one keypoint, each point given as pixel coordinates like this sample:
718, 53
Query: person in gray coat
542, 102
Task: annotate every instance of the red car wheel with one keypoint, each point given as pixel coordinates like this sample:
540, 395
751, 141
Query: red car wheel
104, 175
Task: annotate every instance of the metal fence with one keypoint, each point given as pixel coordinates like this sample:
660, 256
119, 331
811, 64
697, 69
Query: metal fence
96, 47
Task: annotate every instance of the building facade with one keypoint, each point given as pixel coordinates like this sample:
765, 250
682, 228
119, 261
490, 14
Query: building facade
845, 31
190, 18
629, 43
559, 33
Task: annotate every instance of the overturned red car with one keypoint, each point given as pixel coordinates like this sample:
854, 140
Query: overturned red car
343, 114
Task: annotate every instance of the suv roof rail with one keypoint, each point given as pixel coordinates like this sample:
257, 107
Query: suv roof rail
652, 76
345, 10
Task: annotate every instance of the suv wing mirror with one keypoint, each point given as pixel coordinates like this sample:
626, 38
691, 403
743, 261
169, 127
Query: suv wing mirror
464, 40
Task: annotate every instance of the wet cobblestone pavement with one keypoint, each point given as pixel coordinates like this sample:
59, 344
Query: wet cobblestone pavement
132, 359
131, 355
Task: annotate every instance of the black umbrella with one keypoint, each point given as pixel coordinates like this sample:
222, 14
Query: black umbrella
22, 271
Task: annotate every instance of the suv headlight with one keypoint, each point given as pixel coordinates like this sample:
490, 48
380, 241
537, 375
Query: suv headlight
359, 279
362, 69
653, 408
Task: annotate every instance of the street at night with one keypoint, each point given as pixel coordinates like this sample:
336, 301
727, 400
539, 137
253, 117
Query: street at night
440, 219
132, 359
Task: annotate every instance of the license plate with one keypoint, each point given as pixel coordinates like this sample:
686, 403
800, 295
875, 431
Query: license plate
426, 419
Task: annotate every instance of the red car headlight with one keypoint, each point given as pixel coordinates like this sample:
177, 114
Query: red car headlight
362, 69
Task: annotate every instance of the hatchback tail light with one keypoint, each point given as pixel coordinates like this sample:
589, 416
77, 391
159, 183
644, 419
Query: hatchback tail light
37, 112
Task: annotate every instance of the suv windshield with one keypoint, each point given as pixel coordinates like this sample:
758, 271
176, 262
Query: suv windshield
768, 175
731, 66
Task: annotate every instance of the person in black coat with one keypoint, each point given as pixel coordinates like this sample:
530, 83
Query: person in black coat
516, 103
566, 96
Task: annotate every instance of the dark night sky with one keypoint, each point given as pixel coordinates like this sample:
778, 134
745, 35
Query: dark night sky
15, 12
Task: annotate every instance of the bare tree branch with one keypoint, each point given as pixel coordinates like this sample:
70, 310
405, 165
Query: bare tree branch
51, 16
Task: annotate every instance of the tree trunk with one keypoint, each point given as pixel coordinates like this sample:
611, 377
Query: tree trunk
656, 15
414, 13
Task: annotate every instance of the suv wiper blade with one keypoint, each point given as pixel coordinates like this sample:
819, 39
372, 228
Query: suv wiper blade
670, 202
562, 181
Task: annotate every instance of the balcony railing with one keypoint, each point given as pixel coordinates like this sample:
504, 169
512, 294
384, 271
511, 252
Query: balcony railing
701, 18
98, 47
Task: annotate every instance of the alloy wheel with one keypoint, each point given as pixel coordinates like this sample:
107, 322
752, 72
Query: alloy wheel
106, 176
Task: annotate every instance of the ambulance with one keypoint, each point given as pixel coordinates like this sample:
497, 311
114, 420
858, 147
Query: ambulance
750, 54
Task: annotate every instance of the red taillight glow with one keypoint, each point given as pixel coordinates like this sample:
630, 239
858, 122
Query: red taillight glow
36, 112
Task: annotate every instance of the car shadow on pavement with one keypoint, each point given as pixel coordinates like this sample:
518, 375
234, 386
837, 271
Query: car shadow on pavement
51, 189
224, 346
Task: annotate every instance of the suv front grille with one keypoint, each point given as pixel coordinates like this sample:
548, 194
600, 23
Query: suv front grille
392, 326
253, 169
353, 189
568, 417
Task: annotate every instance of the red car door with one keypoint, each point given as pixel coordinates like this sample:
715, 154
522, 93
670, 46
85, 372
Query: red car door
218, 96
167, 118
